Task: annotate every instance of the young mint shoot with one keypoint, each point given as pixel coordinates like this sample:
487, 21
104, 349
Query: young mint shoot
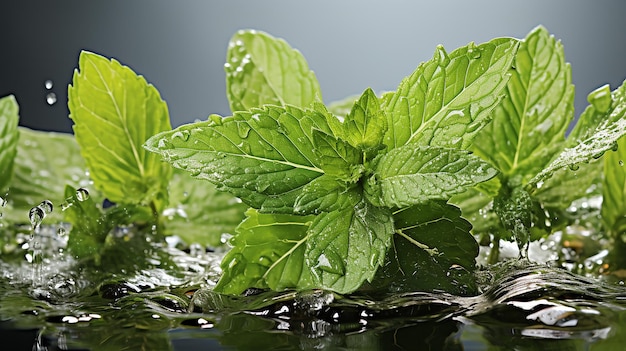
340, 182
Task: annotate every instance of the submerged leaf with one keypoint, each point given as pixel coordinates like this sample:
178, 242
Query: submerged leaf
447, 100
114, 112
261, 70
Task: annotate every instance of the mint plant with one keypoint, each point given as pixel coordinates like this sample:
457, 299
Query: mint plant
541, 171
325, 192
378, 192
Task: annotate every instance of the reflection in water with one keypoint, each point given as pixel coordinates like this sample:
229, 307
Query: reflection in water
160, 304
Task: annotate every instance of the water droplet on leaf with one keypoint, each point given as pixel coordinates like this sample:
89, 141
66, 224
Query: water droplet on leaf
82, 194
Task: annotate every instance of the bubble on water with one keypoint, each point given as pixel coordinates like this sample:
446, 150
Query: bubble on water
48, 84
51, 98
82, 194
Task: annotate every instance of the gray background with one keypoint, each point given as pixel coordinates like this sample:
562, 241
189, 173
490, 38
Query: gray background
180, 46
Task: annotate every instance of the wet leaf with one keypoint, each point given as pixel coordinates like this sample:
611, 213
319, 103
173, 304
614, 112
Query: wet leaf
267, 252
114, 112
602, 131
40, 174
410, 175
447, 100
529, 125
365, 125
326, 194
433, 250
346, 247
263, 156
9, 118
261, 69
198, 212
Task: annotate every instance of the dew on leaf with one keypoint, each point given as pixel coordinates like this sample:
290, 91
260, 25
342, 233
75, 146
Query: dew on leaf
243, 130
574, 166
180, 134
82, 194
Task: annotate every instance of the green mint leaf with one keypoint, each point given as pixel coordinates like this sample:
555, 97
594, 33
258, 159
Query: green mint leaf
566, 185
198, 213
88, 233
600, 101
346, 247
261, 69
45, 163
263, 156
365, 125
529, 125
433, 250
440, 226
447, 100
410, 175
9, 119
326, 194
342, 107
337, 157
605, 128
613, 183
267, 252
114, 111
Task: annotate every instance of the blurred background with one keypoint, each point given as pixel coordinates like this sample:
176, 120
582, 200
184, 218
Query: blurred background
180, 46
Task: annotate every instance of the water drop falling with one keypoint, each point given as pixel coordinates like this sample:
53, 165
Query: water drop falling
35, 216
51, 98
48, 84
82, 194
46, 206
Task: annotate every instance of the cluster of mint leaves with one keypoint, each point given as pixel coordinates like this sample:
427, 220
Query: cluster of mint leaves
380, 191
